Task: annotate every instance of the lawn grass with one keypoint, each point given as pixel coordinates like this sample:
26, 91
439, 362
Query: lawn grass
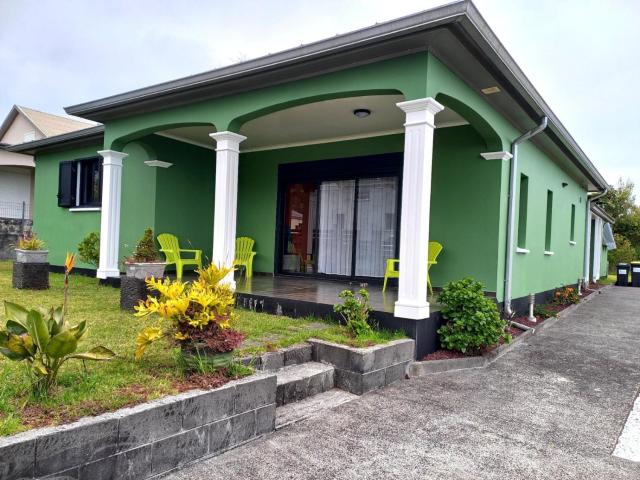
608, 280
111, 385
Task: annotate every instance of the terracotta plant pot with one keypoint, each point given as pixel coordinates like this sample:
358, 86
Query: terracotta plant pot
145, 270
31, 256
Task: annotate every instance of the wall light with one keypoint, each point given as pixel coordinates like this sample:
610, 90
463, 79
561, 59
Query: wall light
362, 112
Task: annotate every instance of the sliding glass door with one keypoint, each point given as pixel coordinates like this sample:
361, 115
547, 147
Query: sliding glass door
345, 227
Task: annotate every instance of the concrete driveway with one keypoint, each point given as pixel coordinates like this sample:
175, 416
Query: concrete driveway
552, 408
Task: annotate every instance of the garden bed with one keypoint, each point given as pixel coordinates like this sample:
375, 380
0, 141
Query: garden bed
123, 382
444, 354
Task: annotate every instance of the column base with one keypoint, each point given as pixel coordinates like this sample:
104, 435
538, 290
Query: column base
108, 273
414, 311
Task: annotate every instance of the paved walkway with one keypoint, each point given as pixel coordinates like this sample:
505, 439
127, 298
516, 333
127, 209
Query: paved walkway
551, 408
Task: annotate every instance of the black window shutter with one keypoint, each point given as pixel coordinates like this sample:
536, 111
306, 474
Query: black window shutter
67, 184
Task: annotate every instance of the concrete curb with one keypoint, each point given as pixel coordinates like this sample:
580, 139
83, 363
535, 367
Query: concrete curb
428, 367
147, 440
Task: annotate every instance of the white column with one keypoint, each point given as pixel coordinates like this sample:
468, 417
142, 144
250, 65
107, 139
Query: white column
587, 244
597, 249
110, 213
416, 200
225, 210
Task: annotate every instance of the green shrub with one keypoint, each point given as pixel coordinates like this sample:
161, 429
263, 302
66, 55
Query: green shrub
89, 249
355, 311
146, 250
473, 320
565, 296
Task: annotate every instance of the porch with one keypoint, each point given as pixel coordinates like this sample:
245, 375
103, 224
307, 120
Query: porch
300, 297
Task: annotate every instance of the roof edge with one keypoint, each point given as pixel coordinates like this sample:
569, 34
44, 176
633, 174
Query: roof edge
48, 142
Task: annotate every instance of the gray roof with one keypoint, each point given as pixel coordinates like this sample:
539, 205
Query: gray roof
600, 212
456, 33
78, 138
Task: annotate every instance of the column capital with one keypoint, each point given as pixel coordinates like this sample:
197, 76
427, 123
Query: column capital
503, 155
420, 111
112, 157
227, 140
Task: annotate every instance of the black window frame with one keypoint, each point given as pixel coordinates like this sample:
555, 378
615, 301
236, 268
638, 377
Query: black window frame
345, 168
76, 182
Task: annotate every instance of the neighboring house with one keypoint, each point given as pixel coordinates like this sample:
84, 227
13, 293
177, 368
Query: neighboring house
601, 242
17, 169
342, 153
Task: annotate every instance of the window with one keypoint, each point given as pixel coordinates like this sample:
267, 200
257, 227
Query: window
522, 211
80, 183
547, 238
572, 237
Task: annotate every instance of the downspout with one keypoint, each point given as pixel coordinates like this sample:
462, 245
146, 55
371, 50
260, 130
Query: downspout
511, 217
587, 236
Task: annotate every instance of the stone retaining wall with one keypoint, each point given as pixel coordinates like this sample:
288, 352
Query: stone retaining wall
146, 440
359, 370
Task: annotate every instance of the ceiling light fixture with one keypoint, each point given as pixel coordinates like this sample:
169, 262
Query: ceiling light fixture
362, 112
490, 90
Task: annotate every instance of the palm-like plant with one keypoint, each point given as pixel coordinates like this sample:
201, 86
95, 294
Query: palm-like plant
43, 340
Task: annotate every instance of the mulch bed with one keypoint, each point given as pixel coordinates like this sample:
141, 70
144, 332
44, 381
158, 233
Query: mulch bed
444, 354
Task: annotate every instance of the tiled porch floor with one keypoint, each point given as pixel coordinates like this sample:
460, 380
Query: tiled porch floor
317, 290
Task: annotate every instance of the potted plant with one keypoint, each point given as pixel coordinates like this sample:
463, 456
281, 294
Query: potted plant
145, 261
194, 316
30, 249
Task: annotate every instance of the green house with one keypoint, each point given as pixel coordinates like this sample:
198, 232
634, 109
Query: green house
333, 157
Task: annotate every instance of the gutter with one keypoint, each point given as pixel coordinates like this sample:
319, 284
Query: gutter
511, 218
587, 235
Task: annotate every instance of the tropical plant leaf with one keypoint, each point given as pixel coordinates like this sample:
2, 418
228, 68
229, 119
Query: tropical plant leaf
39, 329
62, 344
99, 354
39, 368
145, 338
16, 345
16, 328
11, 355
15, 312
79, 330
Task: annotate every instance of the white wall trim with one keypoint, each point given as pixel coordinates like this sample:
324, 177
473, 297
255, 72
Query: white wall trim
158, 163
572, 242
208, 146
85, 209
110, 215
504, 155
549, 253
522, 250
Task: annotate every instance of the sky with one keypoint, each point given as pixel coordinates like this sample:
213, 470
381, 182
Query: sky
581, 55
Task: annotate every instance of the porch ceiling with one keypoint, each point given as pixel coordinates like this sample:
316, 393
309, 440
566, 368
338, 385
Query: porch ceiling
318, 122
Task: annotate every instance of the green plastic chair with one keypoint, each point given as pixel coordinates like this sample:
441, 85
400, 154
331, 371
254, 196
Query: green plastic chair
245, 254
392, 270
173, 253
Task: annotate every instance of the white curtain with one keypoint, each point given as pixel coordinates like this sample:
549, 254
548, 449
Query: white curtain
376, 223
335, 234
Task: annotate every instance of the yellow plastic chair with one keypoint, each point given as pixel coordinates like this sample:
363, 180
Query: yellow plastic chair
245, 254
393, 270
173, 253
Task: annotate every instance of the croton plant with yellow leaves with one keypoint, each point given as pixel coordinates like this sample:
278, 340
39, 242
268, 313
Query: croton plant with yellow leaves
194, 315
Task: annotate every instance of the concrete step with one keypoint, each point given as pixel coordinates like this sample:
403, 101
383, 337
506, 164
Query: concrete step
297, 382
311, 406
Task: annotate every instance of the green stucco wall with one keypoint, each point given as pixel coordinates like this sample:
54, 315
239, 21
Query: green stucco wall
61, 229
535, 271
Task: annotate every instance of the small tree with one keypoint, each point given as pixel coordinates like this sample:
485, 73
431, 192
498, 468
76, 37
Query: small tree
146, 250
89, 249
473, 320
623, 253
